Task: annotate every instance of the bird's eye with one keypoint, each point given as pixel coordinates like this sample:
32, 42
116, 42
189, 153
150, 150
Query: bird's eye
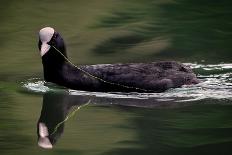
53, 40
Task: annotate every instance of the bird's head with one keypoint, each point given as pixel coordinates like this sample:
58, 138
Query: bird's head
50, 40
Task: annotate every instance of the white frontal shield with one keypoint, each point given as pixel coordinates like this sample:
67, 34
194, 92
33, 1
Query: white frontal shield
45, 35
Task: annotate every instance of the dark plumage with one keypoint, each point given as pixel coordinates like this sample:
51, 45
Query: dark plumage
153, 77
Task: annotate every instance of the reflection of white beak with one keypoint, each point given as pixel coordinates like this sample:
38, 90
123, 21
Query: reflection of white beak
43, 140
44, 48
43, 130
45, 143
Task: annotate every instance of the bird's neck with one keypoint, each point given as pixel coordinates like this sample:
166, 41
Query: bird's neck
53, 64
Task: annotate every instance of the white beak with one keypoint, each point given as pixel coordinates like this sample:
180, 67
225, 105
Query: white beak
45, 35
44, 48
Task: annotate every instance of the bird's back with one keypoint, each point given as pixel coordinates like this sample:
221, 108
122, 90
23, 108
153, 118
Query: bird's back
155, 77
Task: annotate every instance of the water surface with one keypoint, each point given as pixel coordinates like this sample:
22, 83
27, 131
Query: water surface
187, 120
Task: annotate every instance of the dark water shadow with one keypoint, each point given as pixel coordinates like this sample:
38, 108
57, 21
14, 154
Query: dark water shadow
195, 30
118, 44
201, 128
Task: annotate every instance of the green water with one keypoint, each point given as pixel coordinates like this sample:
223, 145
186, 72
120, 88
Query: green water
111, 31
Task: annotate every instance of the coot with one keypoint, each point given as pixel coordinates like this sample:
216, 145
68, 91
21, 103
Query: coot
129, 77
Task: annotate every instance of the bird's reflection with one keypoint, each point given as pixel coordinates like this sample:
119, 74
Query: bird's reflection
55, 108
190, 129
57, 105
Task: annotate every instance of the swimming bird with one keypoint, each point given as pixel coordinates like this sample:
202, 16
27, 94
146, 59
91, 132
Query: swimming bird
128, 77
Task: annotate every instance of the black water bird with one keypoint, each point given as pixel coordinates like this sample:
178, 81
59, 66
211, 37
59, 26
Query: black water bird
129, 77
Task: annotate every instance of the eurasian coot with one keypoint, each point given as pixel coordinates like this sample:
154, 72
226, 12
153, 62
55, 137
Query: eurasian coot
129, 77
